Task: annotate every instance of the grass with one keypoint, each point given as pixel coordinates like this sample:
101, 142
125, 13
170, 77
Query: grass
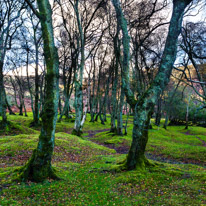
83, 166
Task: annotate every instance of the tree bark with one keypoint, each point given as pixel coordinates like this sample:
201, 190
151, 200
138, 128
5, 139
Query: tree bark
39, 166
158, 112
36, 100
79, 78
9, 108
3, 105
119, 114
145, 105
187, 114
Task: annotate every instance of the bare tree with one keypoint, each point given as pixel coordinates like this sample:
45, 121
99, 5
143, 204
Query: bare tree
39, 166
143, 107
10, 11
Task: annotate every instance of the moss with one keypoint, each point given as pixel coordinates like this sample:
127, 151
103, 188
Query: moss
113, 141
87, 176
111, 138
13, 129
78, 133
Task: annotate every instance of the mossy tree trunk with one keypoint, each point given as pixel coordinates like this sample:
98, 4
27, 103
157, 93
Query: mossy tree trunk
9, 16
36, 100
166, 120
143, 109
79, 76
114, 101
97, 99
67, 89
105, 103
92, 98
28, 79
3, 105
9, 108
119, 114
187, 114
158, 112
115, 82
39, 166
126, 122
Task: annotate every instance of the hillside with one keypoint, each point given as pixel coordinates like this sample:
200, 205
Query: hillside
86, 167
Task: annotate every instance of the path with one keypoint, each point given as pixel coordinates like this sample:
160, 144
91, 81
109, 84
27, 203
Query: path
203, 142
123, 149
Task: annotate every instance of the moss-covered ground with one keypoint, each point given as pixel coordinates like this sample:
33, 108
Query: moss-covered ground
83, 163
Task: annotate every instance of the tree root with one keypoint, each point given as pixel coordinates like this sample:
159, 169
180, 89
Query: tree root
35, 172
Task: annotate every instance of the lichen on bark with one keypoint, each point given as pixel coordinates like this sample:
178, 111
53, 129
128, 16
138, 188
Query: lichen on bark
143, 108
38, 168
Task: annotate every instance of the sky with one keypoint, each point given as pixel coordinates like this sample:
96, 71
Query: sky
196, 14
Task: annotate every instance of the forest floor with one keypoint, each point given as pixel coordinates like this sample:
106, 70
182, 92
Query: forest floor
84, 166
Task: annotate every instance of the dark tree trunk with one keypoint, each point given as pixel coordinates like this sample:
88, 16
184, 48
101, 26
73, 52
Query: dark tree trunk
36, 101
114, 99
125, 127
60, 105
3, 105
21, 109
119, 114
187, 114
158, 112
9, 108
166, 120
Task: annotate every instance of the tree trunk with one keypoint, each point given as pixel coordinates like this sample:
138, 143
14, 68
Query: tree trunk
119, 114
92, 98
145, 105
39, 166
21, 108
2, 97
29, 85
125, 127
106, 99
113, 114
86, 104
166, 120
158, 112
60, 106
25, 112
36, 101
114, 100
187, 114
79, 78
9, 108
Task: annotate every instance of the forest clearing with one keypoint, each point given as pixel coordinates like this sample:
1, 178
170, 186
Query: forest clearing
103, 102
85, 167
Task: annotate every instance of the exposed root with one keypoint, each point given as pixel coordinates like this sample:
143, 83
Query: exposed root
141, 165
32, 171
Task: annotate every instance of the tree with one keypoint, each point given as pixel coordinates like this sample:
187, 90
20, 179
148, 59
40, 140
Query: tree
193, 44
144, 106
10, 11
39, 166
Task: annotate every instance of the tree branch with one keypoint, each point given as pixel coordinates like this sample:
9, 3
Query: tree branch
32, 8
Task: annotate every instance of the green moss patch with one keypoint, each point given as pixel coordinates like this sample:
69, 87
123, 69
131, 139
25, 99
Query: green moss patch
84, 168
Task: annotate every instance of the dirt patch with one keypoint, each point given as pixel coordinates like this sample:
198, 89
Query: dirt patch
168, 159
203, 142
17, 159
